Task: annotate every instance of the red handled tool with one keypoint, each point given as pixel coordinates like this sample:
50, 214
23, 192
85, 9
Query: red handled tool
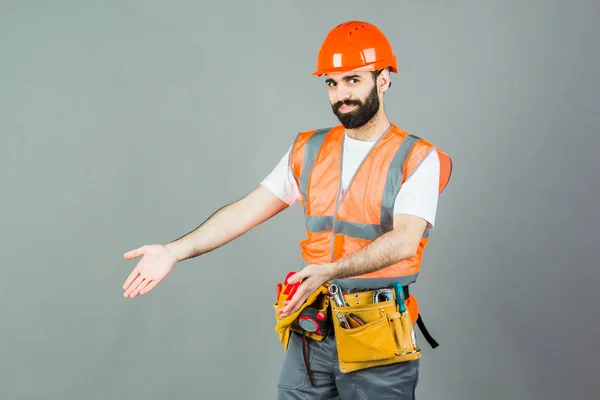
356, 318
342, 319
313, 320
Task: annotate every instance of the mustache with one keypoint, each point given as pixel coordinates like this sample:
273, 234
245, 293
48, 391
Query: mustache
337, 105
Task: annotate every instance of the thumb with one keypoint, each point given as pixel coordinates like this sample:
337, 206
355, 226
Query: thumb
134, 253
297, 277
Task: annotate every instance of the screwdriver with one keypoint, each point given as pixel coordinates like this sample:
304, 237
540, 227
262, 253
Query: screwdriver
399, 297
402, 309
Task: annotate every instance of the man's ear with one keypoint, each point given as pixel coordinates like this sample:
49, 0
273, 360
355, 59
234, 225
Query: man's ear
384, 80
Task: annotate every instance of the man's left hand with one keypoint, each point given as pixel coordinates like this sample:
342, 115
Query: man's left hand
310, 278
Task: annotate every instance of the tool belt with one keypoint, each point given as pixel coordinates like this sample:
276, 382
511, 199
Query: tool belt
367, 333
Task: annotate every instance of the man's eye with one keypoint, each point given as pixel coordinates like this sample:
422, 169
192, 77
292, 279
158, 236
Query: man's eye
353, 80
331, 84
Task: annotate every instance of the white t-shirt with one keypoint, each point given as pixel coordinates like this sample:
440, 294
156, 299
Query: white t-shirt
418, 195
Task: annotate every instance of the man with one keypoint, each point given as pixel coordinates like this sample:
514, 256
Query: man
369, 191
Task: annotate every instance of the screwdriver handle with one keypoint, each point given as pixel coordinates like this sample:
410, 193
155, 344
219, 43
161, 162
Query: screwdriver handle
399, 297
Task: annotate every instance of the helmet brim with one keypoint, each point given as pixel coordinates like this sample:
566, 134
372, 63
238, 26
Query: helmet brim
375, 66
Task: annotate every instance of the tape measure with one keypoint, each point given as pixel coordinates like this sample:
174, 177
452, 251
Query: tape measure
313, 320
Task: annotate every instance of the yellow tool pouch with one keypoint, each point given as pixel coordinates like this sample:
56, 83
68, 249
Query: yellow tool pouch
284, 326
383, 336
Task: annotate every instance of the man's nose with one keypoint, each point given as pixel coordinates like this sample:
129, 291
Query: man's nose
342, 93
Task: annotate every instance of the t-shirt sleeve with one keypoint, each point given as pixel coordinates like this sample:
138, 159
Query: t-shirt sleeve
419, 193
281, 181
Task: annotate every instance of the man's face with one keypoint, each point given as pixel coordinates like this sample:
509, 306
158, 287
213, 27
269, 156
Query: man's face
353, 96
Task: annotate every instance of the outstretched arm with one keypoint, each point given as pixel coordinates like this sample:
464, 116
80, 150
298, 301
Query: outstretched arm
275, 193
228, 223
223, 226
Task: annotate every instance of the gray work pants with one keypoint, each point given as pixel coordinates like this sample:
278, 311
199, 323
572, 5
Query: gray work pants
395, 381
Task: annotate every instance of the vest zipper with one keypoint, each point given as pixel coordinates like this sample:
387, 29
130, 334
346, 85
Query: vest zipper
338, 200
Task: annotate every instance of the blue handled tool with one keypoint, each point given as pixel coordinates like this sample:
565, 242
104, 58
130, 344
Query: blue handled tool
402, 308
399, 296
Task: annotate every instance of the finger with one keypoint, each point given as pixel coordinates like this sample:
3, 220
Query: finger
134, 285
285, 306
142, 285
149, 287
297, 277
292, 306
289, 310
134, 253
134, 274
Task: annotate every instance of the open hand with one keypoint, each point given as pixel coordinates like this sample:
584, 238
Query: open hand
311, 278
156, 263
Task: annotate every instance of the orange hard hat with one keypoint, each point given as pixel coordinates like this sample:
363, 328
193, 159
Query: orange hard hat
353, 45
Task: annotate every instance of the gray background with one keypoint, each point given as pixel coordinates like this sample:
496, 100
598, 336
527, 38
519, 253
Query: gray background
127, 123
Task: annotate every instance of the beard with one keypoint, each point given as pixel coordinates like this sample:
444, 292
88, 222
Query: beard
362, 113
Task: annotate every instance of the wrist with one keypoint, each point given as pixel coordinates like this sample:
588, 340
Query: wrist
331, 271
176, 250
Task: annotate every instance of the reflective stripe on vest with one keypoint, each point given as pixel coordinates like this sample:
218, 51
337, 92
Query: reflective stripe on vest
349, 222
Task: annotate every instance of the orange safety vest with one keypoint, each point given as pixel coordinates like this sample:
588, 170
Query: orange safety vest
338, 225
